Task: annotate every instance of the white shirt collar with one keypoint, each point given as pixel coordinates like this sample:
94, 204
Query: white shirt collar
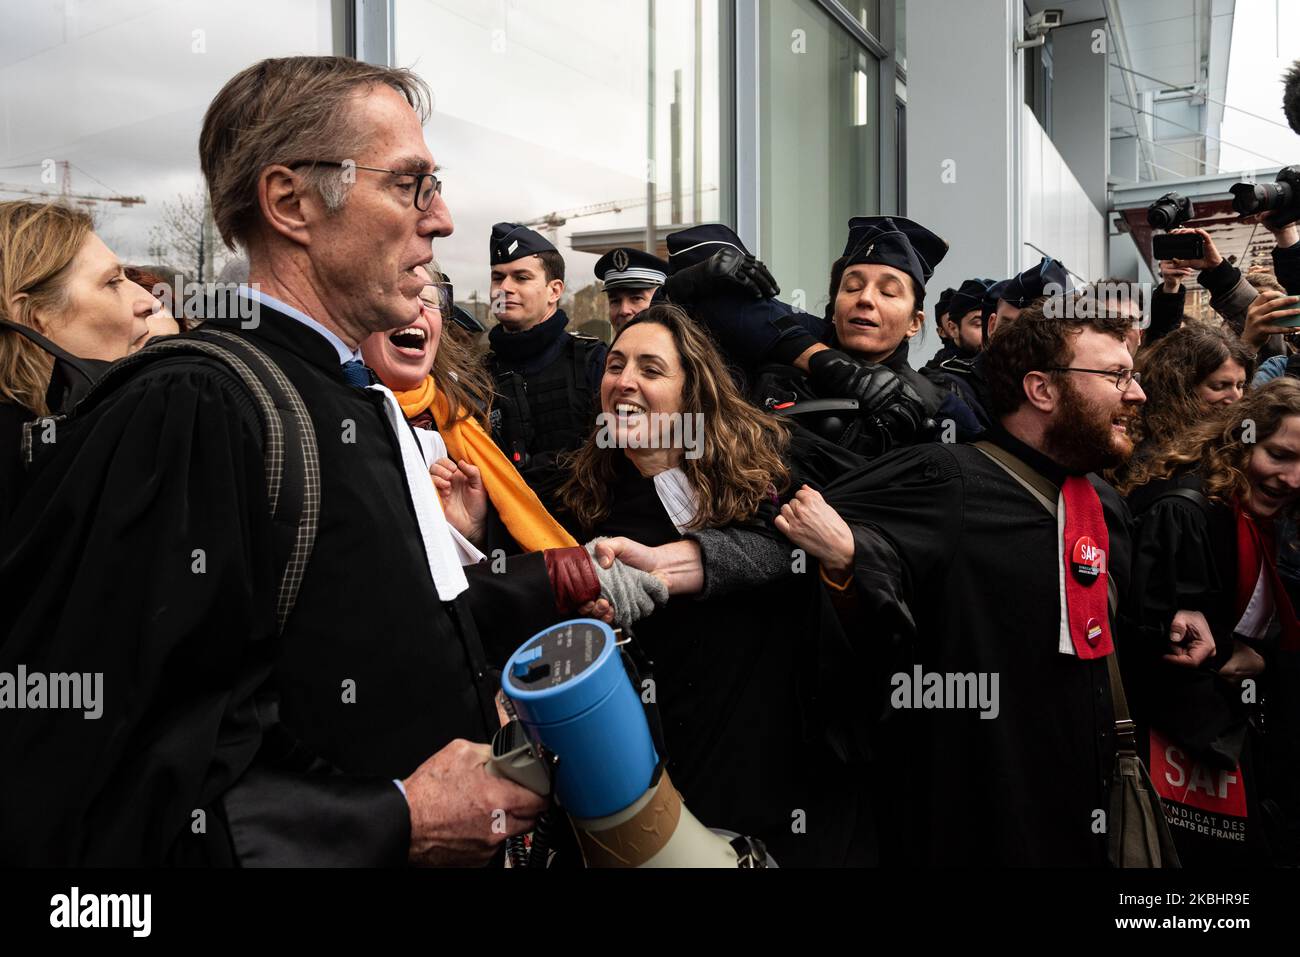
345, 354
679, 498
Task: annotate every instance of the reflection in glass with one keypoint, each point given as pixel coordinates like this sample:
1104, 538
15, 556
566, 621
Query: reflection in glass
542, 117
820, 117
867, 13
900, 34
112, 99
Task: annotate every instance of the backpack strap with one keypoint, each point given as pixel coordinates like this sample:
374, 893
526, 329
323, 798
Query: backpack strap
1044, 493
1191, 494
291, 457
297, 506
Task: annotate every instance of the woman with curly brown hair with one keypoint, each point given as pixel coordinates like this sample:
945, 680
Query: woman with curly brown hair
677, 449
1188, 373
1207, 507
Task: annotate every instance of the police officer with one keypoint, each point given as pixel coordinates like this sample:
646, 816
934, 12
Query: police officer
1048, 278
966, 317
546, 378
1003, 301
631, 278
946, 348
845, 376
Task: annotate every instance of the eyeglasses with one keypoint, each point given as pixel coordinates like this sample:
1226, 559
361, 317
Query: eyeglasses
1123, 379
440, 296
426, 184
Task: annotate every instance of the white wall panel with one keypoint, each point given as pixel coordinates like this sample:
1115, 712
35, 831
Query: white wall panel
1058, 216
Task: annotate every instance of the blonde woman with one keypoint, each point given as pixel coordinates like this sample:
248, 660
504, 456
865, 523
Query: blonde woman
69, 310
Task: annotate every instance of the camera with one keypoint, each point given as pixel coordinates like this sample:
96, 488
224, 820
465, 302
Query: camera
1170, 211
1044, 20
1281, 197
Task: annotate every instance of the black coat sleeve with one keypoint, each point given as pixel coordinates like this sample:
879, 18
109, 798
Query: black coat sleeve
1166, 312
1286, 266
905, 512
511, 599
1175, 567
143, 553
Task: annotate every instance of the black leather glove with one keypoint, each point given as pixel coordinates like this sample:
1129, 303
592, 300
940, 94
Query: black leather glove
727, 270
893, 410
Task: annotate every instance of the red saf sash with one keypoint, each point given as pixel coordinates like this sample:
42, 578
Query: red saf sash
1256, 556
1084, 547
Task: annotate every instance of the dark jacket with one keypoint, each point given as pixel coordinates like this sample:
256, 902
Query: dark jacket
547, 384
957, 562
1185, 558
144, 552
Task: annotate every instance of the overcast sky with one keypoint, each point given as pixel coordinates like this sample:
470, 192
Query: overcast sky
540, 105
1261, 53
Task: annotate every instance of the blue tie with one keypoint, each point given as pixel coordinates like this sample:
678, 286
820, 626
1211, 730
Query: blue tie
355, 371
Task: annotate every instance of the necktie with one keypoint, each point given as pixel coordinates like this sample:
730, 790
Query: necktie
355, 371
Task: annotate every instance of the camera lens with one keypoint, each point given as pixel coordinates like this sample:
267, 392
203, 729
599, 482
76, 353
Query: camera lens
1169, 210
1249, 198
1161, 214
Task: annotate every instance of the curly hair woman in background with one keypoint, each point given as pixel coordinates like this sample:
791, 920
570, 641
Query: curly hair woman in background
1207, 509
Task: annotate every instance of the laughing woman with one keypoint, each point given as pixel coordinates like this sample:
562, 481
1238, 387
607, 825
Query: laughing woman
444, 393
679, 450
1205, 543
545, 576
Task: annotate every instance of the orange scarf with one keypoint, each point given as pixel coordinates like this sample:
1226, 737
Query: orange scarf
527, 520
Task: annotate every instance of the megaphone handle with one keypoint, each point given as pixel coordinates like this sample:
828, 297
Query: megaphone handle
519, 764
526, 771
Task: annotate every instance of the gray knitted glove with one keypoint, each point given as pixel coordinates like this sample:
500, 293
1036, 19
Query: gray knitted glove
633, 593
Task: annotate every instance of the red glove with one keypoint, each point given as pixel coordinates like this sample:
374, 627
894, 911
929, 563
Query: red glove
573, 578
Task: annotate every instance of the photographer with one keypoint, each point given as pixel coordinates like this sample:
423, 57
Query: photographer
1168, 300
1230, 294
1276, 207
1286, 254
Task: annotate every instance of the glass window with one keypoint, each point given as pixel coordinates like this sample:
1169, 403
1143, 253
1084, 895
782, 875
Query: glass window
112, 100
867, 13
820, 121
900, 34
541, 117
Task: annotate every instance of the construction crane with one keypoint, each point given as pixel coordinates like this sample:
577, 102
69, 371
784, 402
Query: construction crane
552, 222
66, 194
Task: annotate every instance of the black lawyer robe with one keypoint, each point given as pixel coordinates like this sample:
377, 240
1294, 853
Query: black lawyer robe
954, 558
142, 551
735, 678
1185, 558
